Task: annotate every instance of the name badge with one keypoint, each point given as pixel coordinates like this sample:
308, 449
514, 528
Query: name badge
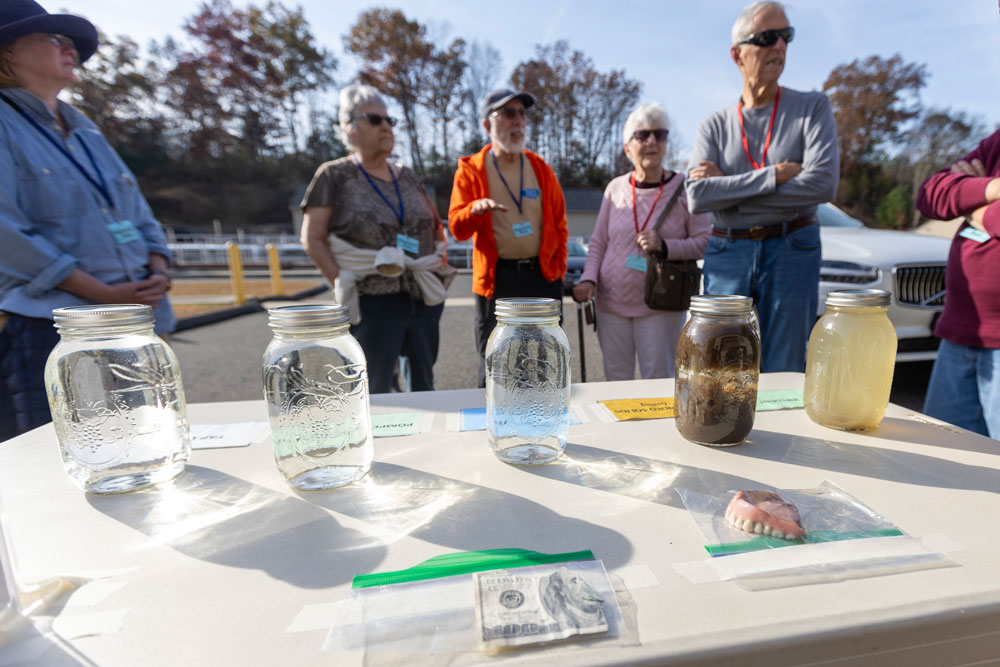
408, 244
530, 193
123, 231
523, 229
636, 262
973, 234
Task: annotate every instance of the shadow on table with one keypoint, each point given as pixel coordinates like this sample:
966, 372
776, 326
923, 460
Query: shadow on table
467, 517
212, 516
636, 476
932, 434
865, 461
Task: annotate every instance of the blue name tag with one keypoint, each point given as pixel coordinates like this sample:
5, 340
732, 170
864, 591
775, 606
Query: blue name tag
523, 229
408, 244
636, 262
123, 231
530, 193
973, 234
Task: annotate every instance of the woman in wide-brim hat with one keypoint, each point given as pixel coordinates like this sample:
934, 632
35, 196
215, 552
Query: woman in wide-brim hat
74, 227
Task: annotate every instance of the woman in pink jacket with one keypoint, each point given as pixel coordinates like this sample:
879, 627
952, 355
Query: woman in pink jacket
616, 260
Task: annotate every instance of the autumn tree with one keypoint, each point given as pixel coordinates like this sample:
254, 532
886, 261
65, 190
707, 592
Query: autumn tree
482, 72
444, 96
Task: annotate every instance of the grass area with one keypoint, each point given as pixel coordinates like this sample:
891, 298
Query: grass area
216, 288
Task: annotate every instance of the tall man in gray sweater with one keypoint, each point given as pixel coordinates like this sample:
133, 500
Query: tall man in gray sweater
761, 166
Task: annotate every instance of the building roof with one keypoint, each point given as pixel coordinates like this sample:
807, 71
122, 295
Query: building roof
583, 199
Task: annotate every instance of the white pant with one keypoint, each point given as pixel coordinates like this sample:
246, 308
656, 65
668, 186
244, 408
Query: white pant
653, 338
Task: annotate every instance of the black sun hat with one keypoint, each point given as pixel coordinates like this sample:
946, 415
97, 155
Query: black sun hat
24, 17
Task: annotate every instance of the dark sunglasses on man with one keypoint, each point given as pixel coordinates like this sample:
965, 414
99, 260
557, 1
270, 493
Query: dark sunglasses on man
509, 112
375, 119
642, 135
769, 37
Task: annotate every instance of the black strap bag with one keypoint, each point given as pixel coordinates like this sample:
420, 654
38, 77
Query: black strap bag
670, 284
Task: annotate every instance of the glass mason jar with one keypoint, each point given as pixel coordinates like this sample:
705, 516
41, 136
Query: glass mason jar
851, 357
718, 366
117, 402
316, 387
527, 382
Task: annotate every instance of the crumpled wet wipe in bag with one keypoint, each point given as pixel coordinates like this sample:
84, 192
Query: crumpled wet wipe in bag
440, 621
843, 539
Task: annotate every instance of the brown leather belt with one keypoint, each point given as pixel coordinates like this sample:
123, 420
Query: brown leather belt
762, 232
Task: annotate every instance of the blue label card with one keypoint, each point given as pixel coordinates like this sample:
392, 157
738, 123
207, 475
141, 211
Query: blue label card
123, 231
408, 244
636, 262
523, 229
973, 234
474, 419
530, 193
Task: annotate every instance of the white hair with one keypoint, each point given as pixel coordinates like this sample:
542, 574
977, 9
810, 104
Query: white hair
352, 97
653, 116
742, 26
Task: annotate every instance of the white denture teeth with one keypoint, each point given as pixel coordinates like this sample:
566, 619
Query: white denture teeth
758, 528
777, 533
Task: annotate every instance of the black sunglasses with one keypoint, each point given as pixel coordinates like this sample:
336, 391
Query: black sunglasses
642, 135
769, 37
375, 119
509, 112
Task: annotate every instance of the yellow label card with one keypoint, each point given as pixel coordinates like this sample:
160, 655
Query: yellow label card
640, 408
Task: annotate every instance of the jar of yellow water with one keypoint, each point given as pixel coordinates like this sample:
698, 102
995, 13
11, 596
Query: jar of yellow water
852, 353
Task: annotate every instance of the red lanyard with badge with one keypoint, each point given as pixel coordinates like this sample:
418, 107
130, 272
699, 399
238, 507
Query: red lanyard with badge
767, 140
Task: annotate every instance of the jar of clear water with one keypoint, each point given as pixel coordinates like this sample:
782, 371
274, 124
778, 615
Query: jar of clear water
527, 382
316, 387
116, 397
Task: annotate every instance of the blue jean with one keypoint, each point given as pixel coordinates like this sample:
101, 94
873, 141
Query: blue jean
965, 388
394, 325
781, 274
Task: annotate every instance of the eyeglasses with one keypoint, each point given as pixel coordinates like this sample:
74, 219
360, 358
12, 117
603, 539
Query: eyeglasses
62, 41
509, 112
376, 119
642, 135
769, 37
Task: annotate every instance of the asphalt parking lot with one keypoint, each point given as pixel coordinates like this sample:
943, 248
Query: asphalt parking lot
222, 361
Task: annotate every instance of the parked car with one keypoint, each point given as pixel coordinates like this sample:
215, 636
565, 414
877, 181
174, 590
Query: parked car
909, 266
574, 265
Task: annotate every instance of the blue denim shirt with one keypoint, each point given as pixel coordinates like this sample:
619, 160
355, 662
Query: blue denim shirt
53, 220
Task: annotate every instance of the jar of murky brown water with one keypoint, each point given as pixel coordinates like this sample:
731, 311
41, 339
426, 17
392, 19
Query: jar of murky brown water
718, 365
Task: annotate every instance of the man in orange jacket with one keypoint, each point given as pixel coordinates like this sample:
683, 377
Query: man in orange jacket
508, 199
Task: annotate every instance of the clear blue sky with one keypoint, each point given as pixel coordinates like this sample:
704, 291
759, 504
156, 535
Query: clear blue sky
678, 49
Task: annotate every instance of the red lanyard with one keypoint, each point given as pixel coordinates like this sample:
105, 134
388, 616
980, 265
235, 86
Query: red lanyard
767, 141
635, 213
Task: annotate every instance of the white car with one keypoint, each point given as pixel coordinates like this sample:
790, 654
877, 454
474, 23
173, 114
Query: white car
909, 266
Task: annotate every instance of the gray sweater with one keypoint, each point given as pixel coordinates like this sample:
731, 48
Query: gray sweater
804, 131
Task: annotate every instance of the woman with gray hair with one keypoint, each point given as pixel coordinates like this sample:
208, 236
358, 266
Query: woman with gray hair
616, 261
360, 210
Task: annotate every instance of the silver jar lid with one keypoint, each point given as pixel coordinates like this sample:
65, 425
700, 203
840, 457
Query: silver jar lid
527, 307
721, 304
858, 297
308, 316
106, 315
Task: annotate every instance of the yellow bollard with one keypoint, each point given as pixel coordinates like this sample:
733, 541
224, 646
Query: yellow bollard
274, 262
236, 273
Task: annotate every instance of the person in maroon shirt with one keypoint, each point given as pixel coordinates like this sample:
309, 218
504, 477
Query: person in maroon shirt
965, 383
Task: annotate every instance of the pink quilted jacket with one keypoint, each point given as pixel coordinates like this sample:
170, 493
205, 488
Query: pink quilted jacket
620, 288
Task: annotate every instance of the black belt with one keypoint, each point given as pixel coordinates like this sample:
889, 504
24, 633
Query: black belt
762, 232
530, 264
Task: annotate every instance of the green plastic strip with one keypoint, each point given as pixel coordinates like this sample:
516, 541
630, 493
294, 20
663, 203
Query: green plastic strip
464, 562
765, 542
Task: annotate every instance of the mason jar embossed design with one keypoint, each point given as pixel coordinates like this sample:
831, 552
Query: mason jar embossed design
718, 366
316, 387
527, 382
850, 362
116, 397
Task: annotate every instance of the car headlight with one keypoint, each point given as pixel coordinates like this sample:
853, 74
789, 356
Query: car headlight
847, 272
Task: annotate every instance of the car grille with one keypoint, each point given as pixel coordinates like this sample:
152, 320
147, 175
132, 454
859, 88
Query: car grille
920, 285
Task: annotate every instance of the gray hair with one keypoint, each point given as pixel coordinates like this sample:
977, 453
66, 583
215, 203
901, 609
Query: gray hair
352, 97
742, 26
653, 115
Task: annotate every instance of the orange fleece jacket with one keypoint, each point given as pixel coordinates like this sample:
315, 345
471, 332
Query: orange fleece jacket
471, 185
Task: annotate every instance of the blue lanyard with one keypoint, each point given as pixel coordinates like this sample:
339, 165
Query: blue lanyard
517, 200
402, 210
101, 186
